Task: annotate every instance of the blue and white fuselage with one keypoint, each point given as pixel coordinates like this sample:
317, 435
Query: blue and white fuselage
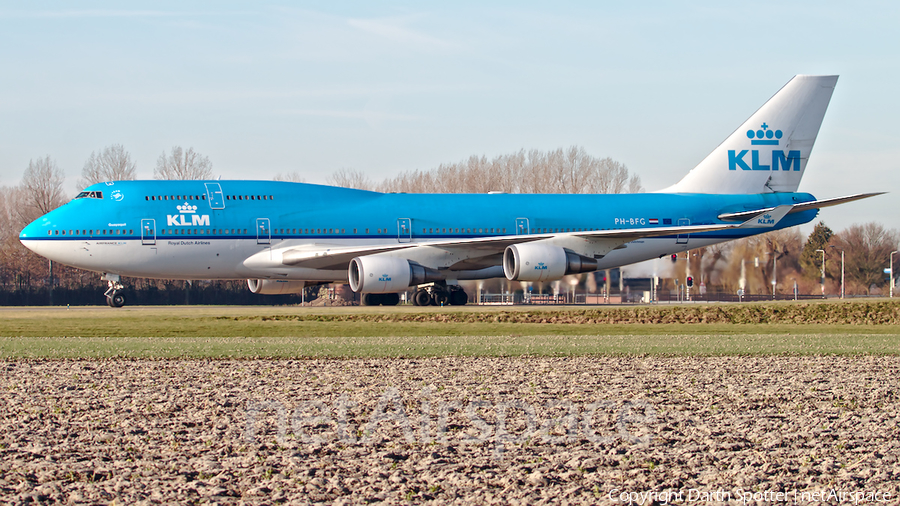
210, 229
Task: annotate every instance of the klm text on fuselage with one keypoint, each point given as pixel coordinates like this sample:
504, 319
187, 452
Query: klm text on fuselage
779, 160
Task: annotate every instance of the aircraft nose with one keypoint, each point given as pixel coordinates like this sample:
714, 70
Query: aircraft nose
35, 235
36, 229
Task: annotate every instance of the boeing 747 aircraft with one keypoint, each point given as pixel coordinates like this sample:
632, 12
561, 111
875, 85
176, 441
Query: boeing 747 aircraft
284, 236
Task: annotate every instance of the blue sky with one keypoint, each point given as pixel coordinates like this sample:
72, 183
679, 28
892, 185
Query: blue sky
263, 88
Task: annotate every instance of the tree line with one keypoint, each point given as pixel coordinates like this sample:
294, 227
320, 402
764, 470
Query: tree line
26, 278
786, 256
569, 170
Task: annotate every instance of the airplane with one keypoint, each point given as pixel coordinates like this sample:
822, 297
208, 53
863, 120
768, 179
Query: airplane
284, 236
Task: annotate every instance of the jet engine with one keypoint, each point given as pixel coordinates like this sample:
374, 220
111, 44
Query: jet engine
384, 274
275, 286
543, 262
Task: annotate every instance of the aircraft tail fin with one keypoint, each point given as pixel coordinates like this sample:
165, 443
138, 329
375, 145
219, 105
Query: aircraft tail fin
768, 153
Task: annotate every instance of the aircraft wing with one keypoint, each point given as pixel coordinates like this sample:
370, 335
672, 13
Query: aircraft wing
323, 257
815, 204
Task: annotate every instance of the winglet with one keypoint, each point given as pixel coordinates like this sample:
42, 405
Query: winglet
767, 219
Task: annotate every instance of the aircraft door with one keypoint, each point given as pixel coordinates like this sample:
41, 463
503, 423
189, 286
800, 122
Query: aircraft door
404, 229
521, 226
214, 196
683, 238
263, 233
148, 232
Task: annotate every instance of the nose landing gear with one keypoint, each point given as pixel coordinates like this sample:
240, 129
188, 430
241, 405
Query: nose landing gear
114, 295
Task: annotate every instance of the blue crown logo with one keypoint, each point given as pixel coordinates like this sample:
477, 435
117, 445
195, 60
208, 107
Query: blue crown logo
764, 136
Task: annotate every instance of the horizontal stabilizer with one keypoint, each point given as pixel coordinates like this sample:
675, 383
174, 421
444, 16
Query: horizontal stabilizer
816, 204
767, 219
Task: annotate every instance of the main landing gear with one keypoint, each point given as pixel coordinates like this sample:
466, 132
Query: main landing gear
114, 295
440, 295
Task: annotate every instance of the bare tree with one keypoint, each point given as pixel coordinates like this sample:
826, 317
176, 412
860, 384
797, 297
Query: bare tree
349, 178
293, 177
8, 218
180, 164
41, 190
113, 163
867, 249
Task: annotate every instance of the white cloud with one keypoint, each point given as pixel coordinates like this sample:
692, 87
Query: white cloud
394, 29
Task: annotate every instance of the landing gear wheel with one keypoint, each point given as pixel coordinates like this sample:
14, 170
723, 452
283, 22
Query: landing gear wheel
114, 296
440, 298
390, 299
422, 298
458, 298
115, 299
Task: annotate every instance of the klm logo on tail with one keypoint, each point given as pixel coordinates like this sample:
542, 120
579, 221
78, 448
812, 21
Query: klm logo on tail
764, 137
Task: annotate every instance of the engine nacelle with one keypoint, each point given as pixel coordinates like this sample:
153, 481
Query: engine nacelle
384, 274
275, 286
543, 262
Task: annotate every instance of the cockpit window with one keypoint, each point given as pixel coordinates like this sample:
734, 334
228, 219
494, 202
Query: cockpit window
90, 195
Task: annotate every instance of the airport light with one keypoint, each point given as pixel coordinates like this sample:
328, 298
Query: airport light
892, 274
774, 272
842, 269
823, 271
